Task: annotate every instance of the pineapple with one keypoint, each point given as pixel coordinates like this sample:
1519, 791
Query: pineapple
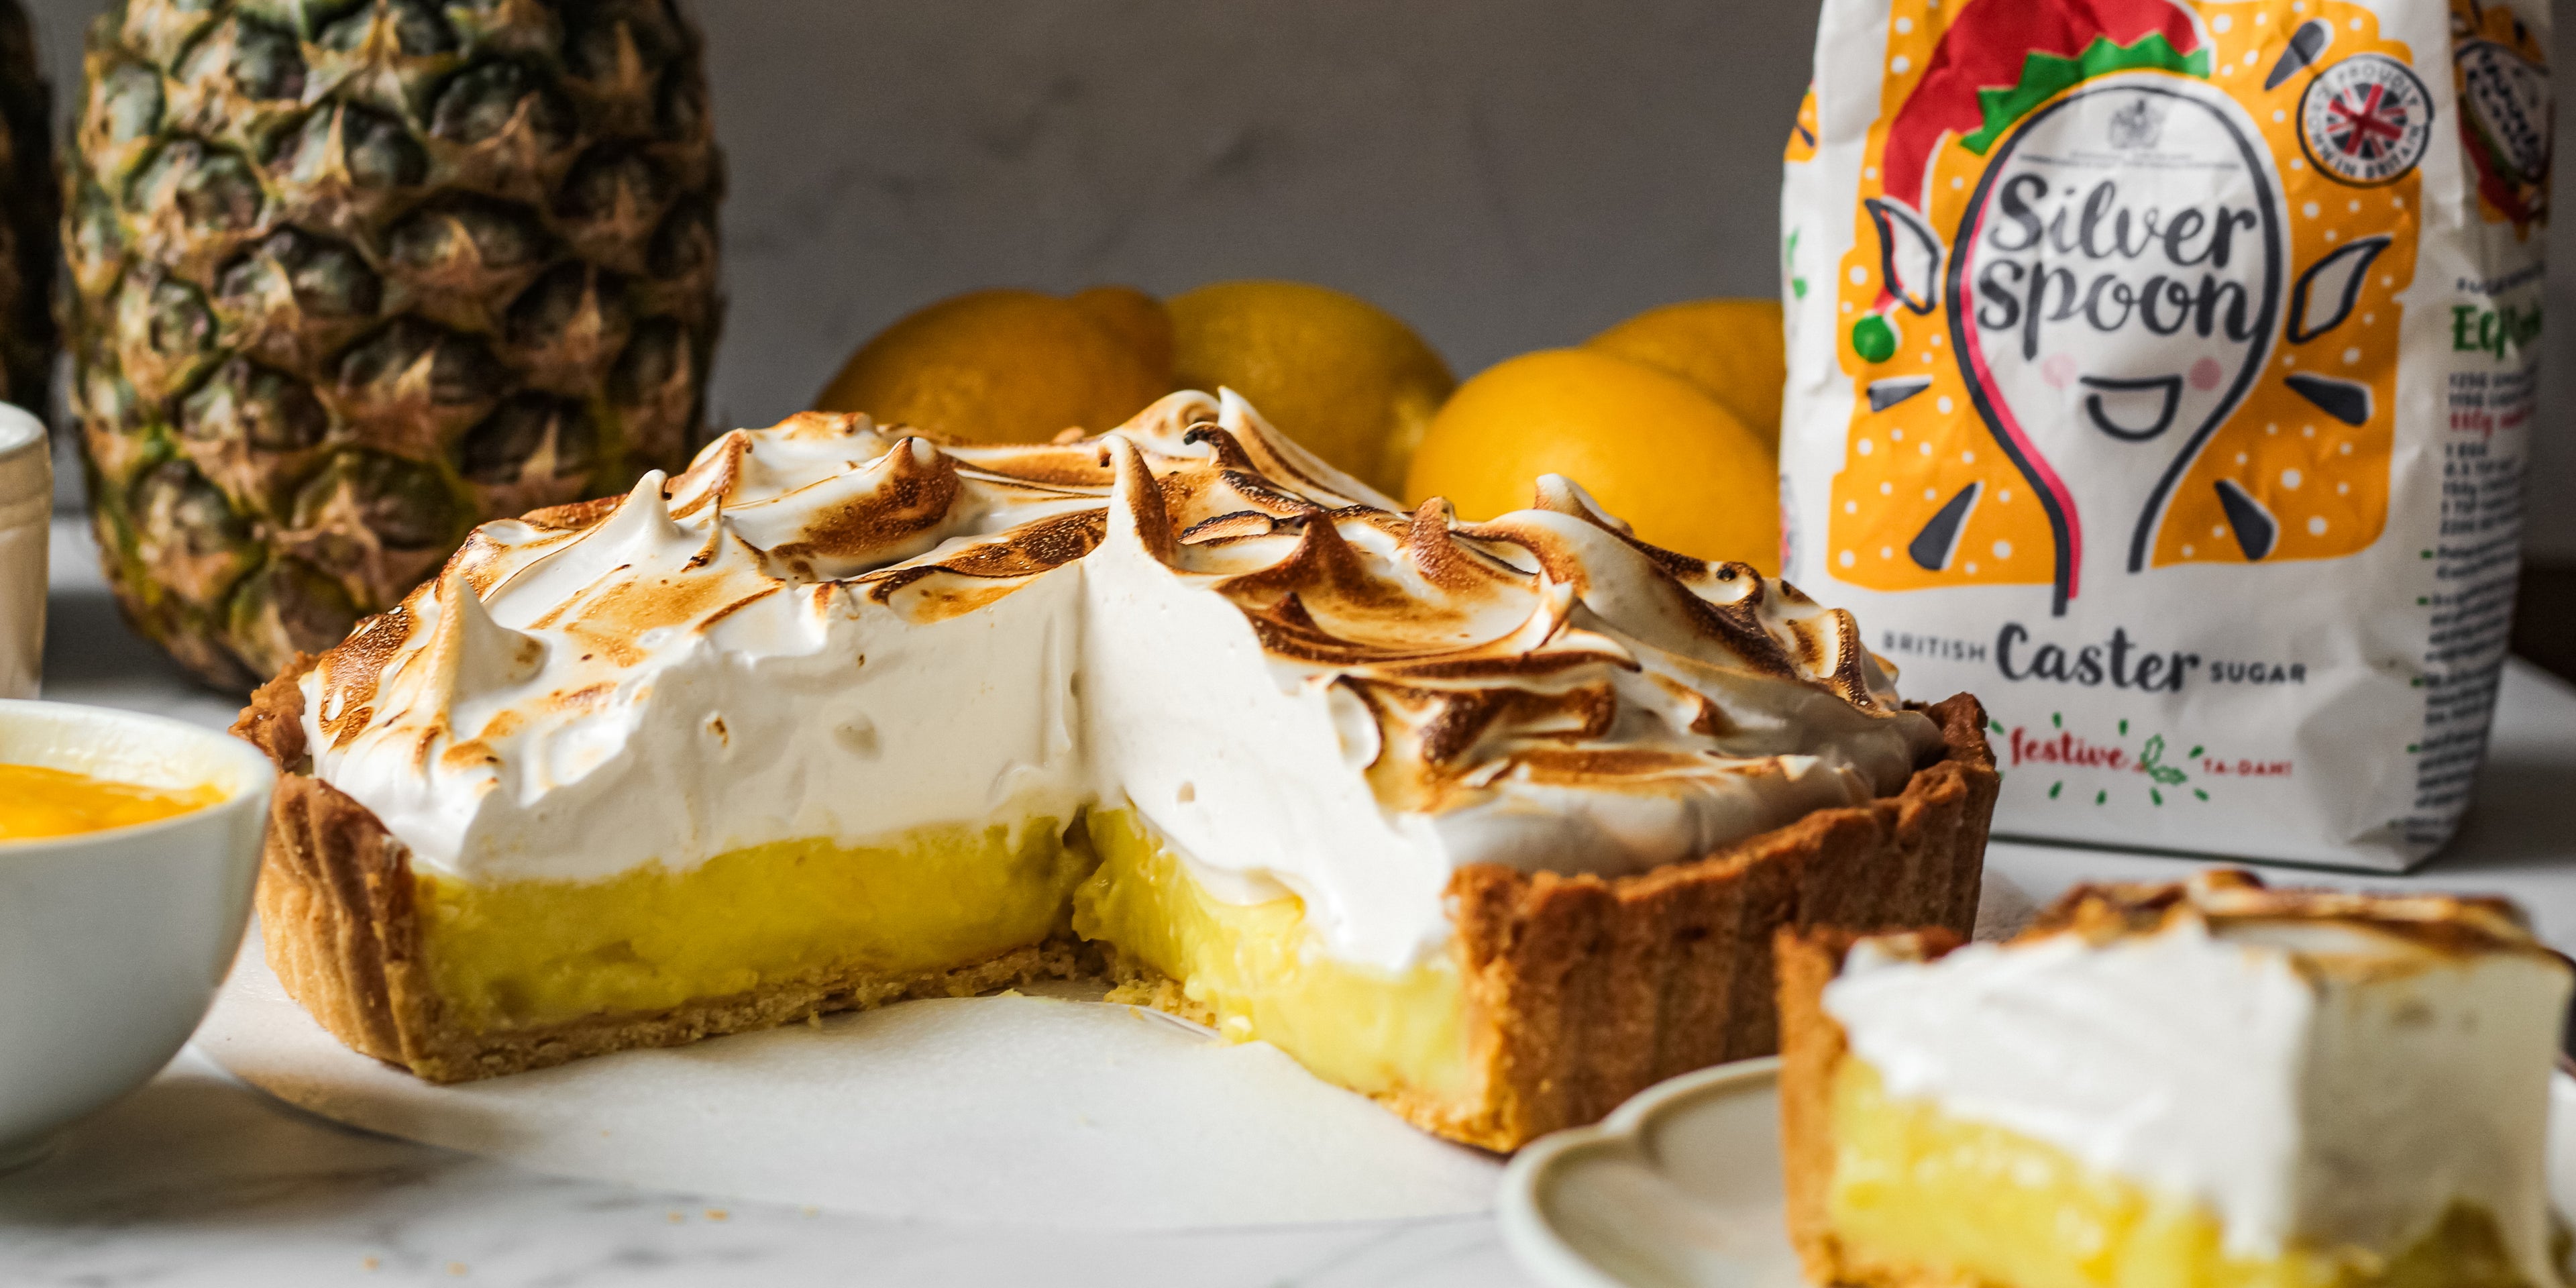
29, 206
350, 276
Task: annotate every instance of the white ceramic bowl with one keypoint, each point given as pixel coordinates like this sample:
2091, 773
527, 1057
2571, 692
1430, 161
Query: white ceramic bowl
112, 943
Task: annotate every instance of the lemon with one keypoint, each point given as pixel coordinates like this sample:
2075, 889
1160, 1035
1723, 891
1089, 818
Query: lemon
1134, 317
1343, 377
1007, 366
1731, 349
1653, 449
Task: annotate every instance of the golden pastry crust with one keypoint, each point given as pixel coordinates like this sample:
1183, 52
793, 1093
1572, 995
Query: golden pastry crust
1584, 991
1812, 1047
1581, 990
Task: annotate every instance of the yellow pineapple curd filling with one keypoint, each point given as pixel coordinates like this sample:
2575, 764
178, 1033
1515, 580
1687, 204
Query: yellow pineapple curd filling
1258, 972
36, 801
529, 953
1976, 1204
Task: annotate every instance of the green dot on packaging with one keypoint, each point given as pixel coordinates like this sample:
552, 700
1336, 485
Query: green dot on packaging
1874, 338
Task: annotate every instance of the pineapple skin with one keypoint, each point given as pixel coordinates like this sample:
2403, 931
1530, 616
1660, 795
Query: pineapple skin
348, 277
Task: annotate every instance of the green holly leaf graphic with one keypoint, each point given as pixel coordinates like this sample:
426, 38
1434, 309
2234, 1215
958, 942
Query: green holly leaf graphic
2151, 759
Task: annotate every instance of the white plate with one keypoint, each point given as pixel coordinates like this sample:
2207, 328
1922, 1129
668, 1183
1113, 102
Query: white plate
1033, 1109
1681, 1187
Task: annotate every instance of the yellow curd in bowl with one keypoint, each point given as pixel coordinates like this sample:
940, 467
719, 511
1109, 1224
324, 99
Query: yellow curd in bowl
36, 801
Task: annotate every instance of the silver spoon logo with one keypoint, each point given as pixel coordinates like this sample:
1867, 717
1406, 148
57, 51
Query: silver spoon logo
2116, 286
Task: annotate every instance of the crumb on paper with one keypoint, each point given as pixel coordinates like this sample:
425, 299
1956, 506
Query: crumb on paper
369, 1263
814, 1020
456, 1268
717, 1214
677, 1218
809, 1210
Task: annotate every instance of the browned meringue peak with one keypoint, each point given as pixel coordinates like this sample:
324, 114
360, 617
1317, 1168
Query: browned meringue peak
1226, 434
1337, 587
1726, 612
831, 497
349, 671
418, 636
2449, 924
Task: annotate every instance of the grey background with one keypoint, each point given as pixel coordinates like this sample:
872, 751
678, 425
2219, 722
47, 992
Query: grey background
1505, 174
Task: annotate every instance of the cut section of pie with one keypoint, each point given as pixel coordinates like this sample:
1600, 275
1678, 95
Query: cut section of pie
1491, 821
2204, 1085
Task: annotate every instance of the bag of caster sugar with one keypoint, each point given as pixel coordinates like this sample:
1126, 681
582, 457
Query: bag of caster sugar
2162, 373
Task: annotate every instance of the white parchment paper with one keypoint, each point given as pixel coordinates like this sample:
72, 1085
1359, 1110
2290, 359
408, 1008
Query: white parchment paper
1036, 1110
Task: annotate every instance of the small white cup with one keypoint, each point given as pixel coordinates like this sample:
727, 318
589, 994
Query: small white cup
26, 504
112, 943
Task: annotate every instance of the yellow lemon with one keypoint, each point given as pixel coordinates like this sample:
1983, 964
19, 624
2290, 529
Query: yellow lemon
1653, 449
1134, 317
1731, 349
1005, 366
1345, 378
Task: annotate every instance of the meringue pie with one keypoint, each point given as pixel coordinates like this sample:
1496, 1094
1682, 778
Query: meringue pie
1489, 821
2177, 1086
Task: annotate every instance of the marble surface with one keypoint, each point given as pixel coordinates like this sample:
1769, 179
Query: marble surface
199, 1181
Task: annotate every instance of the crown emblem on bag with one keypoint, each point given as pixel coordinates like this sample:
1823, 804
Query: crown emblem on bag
2134, 128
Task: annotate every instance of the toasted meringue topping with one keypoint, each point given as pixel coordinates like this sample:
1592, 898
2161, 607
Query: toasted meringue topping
2237, 904
2321, 1068
1304, 688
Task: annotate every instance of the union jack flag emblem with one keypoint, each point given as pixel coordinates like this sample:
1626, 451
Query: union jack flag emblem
2368, 121
2365, 120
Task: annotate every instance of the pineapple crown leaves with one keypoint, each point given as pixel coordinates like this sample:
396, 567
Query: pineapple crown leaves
2045, 75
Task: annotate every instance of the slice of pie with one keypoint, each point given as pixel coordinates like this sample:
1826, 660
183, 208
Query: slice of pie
1491, 822
2207, 1085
